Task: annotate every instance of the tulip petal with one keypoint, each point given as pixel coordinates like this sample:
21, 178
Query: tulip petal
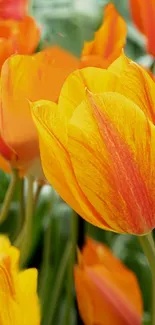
56, 161
18, 289
121, 302
95, 252
85, 303
135, 6
29, 30
118, 161
6, 49
143, 13
135, 83
17, 87
73, 92
109, 39
28, 292
120, 64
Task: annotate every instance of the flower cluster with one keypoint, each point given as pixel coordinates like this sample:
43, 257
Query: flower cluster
86, 126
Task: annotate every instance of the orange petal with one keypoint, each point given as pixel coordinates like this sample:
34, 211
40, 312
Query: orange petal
95, 252
144, 17
109, 39
135, 7
27, 30
104, 298
16, 123
93, 61
13, 34
147, 9
6, 49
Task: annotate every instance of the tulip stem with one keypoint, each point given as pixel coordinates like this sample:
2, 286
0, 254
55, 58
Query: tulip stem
58, 284
37, 194
21, 206
147, 244
27, 229
70, 281
8, 196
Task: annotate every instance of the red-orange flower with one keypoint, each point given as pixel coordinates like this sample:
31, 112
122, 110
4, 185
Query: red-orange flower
13, 9
28, 78
18, 37
143, 14
108, 41
107, 291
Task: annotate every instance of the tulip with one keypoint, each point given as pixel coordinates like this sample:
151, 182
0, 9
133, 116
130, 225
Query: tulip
13, 9
13, 34
107, 291
143, 15
108, 41
18, 289
24, 79
97, 146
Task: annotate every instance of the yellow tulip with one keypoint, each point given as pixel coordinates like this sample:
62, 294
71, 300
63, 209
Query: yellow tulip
97, 146
18, 297
107, 291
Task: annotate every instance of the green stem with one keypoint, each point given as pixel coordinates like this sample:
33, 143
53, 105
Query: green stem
26, 234
21, 217
8, 196
147, 244
21, 203
37, 194
58, 284
70, 281
45, 268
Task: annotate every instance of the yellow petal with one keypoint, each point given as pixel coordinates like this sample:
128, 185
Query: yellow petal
18, 298
56, 161
28, 293
120, 64
136, 84
114, 165
73, 93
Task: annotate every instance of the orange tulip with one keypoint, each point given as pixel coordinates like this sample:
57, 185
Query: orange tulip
143, 15
23, 79
13, 9
13, 35
97, 145
107, 291
108, 41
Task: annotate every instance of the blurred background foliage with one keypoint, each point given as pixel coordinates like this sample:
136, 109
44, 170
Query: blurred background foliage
69, 23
